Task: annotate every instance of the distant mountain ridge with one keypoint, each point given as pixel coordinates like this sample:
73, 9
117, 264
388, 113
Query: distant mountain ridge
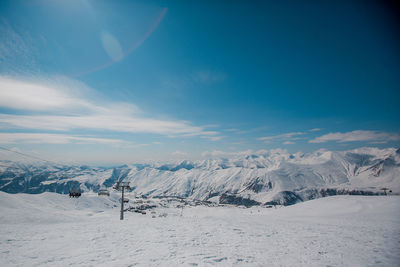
272, 177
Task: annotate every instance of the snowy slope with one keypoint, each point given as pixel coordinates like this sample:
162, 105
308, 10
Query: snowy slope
267, 176
53, 230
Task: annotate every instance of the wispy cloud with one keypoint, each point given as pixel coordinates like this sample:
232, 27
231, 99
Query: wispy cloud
116, 123
16, 47
31, 96
213, 138
314, 130
289, 143
56, 107
290, 136
377, 142
247, 131
232, 130
357, 136
45, 138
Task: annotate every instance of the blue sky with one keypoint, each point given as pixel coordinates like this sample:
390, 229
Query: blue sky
109, 82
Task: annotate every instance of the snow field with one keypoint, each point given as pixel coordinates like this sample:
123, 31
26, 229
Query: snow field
53, 230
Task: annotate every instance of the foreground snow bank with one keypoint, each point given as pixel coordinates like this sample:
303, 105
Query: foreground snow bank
54, 230
49, 207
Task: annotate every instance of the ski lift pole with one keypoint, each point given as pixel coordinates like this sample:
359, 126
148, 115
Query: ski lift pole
122, 204
121, 186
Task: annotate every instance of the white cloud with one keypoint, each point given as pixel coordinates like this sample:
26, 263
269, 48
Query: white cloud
252, 130
314, 130
288, 143
23, 95
35, 138
213, 138
67, 109
289, 136
357, 136
117, 123
378, 142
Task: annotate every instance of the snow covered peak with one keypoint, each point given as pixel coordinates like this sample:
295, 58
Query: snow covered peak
260, 176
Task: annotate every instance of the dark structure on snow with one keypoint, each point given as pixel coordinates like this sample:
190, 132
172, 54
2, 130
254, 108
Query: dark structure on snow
75, 192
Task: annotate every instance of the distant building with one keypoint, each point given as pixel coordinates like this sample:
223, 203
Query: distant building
104, 192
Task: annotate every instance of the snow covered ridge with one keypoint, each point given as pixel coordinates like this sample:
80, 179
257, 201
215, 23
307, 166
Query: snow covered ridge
264, 177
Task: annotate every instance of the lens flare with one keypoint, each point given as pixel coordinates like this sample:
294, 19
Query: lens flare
111, 46
114, 50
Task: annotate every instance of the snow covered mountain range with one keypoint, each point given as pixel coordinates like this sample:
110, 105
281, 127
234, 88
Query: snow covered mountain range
263, 177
